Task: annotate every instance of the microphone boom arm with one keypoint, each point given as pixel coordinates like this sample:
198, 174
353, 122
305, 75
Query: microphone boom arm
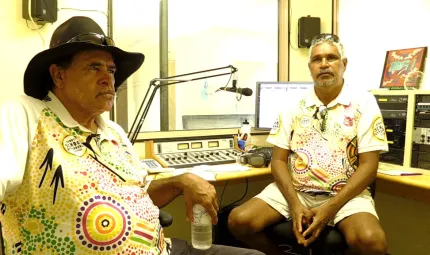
155, 84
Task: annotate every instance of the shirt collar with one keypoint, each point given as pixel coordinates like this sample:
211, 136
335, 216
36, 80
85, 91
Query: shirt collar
56, 106
343, 98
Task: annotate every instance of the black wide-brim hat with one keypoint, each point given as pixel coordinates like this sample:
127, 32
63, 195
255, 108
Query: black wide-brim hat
37, 79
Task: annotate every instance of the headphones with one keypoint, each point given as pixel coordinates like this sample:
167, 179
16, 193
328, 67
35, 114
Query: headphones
257, 158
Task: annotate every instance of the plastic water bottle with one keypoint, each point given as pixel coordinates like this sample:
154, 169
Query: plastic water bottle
245, 133
201, 228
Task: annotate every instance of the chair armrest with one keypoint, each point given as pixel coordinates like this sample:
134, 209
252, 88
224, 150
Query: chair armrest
165, 219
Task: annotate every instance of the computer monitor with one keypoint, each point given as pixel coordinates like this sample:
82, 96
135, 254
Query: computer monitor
270, 100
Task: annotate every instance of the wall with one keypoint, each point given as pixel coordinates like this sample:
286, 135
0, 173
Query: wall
369, 29
19, 44
299, 56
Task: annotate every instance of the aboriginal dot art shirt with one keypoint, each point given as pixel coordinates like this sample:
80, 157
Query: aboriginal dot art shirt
325, 140
66, 190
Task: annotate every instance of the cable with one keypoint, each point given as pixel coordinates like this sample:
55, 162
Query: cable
34, 23
222, 194
290, 13
73, 9
240, 199
33, 29
229, 78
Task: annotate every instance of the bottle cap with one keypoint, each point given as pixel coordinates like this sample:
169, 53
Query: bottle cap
245, 122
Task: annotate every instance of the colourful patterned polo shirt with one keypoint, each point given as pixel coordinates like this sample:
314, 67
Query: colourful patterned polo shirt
70, 191
325, 141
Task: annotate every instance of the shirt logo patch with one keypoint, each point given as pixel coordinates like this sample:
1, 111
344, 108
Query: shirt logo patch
305, 121
379, 128
73, 146
275, 128
348, 121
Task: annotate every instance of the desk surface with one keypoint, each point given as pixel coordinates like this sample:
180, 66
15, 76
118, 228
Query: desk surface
410, 187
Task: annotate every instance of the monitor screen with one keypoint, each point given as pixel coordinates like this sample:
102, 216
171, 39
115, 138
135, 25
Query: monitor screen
270, 97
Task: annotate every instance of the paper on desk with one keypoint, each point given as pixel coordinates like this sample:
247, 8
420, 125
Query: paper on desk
397, 172
227, 168
208, 176
208, 172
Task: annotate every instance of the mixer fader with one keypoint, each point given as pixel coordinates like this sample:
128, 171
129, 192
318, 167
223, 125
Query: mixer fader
181, 154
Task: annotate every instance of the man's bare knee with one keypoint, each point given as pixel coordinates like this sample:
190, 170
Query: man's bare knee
240, 222
252, 217
369, 241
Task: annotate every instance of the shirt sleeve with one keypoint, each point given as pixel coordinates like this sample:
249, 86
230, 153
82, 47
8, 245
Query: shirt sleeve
13, 146
280, 134
371, 129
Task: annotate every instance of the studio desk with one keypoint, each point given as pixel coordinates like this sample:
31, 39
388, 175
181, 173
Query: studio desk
415, 187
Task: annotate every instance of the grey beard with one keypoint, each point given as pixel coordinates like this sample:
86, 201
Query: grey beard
326, 83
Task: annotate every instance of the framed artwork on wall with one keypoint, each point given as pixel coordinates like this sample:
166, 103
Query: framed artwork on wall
404, 68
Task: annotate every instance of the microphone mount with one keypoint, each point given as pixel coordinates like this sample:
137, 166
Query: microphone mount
155, 84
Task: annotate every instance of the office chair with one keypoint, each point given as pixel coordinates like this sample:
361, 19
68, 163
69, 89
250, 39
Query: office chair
330, 241
1, 242
165, 219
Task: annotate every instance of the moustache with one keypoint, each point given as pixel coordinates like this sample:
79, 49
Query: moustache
324, 72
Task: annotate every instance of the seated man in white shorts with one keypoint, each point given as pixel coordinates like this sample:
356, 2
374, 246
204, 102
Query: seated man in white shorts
325, 155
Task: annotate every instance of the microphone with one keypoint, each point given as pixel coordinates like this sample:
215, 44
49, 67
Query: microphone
242, 91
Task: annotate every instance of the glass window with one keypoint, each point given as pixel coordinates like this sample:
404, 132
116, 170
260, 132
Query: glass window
210, 34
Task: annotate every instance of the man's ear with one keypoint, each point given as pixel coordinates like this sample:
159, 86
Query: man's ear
57, 74
345, 62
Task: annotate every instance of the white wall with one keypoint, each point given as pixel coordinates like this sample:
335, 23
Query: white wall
18, 44
368, 29
299, 57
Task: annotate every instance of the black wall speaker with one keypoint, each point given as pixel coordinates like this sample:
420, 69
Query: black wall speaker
309, 27
42, 11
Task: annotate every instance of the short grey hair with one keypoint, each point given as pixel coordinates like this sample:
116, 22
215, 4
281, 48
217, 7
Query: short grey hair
338, 45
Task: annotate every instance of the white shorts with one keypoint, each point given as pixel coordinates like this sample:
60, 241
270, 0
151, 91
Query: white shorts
361, 203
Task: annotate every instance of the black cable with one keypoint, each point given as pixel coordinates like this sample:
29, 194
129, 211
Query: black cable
229, 78
222, 195
240, 199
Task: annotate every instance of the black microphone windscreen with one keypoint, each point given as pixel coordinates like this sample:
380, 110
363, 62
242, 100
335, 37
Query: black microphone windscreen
246, 91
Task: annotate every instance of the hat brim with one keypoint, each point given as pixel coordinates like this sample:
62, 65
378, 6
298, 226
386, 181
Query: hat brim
37, 79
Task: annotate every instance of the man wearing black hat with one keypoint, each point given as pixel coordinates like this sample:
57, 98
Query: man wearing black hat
71, 182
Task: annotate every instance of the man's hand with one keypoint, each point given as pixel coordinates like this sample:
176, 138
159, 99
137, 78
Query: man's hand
321, 216
198, 191
300, 216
